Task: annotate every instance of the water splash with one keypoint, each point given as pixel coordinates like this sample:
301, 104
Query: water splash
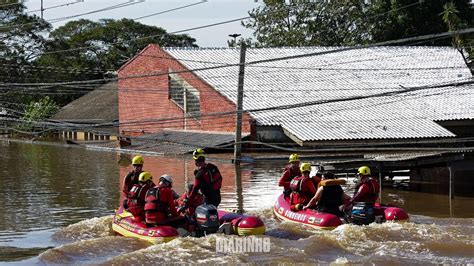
87, 229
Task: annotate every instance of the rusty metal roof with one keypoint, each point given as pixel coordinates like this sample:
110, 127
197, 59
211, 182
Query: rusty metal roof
338, 76
180, 141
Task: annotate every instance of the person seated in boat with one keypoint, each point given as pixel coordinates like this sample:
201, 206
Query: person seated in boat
318, 176
291, 171
159, 203
368, 188
183, 200
207, 179
302, 188
329, 196
132, 177
136, 196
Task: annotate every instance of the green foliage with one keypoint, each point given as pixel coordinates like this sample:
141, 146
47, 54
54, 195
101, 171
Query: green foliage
104, 45
21, 37
96, 50
352, 22
38, 111
396, 19
308, 23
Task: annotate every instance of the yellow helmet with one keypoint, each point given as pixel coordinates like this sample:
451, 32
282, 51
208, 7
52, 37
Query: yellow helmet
198, 153
364, 170
294, 158
145, 176
137, 160
305, 167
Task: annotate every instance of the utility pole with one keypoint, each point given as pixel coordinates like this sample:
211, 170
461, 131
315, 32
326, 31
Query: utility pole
240, 99
42, 9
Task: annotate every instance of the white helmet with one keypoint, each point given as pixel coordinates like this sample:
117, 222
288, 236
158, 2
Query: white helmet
167, 178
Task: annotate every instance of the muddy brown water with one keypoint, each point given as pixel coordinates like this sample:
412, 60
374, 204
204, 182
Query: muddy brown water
57, 204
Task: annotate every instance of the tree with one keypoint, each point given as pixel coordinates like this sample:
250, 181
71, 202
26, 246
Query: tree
104, 45
37, 111
93, 50
306, 23
351, 22
464, 44
396, 19
21, 36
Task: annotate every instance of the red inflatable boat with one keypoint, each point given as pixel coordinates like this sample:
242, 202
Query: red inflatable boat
329, 221
238, 224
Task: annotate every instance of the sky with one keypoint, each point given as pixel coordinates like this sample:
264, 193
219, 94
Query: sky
212, 11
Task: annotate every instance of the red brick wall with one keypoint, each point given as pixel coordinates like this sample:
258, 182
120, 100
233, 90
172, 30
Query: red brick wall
144, 105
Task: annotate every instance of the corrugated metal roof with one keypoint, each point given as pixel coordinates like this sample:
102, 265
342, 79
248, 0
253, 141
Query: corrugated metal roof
341, 75
180, 141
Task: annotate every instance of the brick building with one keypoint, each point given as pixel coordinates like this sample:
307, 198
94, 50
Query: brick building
157, 99
322, 97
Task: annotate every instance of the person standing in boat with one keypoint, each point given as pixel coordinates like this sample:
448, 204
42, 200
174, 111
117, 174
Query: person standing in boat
291, 171
136, 196
132, 177
329, 196
207, 179
302, 188
159, 202
368, 188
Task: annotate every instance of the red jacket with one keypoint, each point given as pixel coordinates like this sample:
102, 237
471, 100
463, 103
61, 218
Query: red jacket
303, 190
288, 174
159, 203
366, 191
192, 203
208, 180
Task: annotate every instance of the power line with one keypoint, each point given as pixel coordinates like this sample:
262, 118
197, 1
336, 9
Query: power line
53, 7
121, 5
385, 43
281, 107
170, 10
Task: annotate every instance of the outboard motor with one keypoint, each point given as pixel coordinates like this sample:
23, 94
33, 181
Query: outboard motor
207, 218
362, 213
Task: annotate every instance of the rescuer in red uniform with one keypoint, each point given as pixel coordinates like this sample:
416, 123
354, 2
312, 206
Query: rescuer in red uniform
132, 177
291, 171
368, 188
302, 188
183, 200
159, 202
207, 179
136, 196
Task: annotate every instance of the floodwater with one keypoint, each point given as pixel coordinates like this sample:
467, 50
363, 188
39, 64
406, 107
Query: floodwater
57, 205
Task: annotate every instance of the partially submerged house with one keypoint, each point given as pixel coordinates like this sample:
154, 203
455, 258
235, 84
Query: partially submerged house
92, 117
324, 96
367, 101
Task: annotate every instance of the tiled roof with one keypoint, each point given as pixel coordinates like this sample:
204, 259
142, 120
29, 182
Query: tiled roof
342, 75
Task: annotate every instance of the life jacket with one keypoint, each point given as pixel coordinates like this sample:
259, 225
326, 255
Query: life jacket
213, 182
300, 194
135, 200
153, 202
332, 182
296, 185
130, 180
373, 195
